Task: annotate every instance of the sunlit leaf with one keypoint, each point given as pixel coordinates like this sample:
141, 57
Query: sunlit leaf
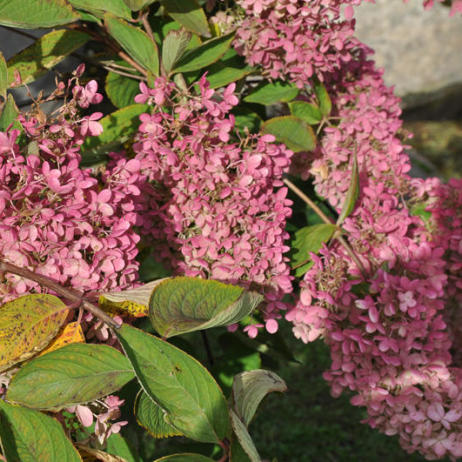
181, 386
205, 54
118, 446
9, 113
3, 76
308, 112
121, 90
189, 14
71, 333
136, 5
27, 324
325, 103
352, 193
132, 301
250, 387
47, 51
31, 436
272, 93
186, 304
173, 48
74, 374
294, 132
135, 42
152, 417
30, 14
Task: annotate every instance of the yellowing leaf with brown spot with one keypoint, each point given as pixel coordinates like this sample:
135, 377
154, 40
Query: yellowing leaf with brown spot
27, 325
72, 333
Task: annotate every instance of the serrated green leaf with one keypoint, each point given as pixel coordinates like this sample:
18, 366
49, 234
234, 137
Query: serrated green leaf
308, 112
47, 51
294, 132
205, 54
135, 42
181, 386
185, 304
352, 193
30, 14
137, 5
249, 389
310, 239
230, 68
31, 436
185, 457
152, 417
99, 7
3, 76
117, 127
121, 90
173, 48
9, 113
272, 93
74, 374
325, 103
27, 325
189, 14
243, 437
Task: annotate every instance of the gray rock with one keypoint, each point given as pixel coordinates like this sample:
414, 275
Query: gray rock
420, 50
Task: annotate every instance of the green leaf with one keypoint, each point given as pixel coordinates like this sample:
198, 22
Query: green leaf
30, 436
27, 325
137, 5
249, 388
205, 54
237, 454
9, 114
121, 90
310, 239
74, 374
118, 446
30, 14
308, 112
185, 304
272, 93
173, 48
3, 76
152, 417
99, 7
185, 457
246, 119
179, 384
325, 103
243, 437
189, 14
230, 68
135, 42
117, 126
45, 53
295, 133
352, 193
420, 210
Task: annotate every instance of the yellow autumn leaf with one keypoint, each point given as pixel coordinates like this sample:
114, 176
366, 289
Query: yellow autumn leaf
72, 333
134, 302
27, 325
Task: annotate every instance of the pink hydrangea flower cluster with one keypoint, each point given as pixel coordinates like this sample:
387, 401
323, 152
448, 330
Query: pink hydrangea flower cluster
295, 39
55, 217
387, 333
223, 208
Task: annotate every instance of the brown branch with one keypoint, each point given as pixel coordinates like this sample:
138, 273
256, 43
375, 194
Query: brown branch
349, 250
70, 294
133, 63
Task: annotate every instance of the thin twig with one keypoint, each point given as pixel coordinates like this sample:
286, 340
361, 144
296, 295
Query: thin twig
147, 26
133, 63
349, 250
70, 294
125, 74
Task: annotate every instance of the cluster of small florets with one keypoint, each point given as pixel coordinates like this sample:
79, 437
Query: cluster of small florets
224, 208
55, 217
295, 39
